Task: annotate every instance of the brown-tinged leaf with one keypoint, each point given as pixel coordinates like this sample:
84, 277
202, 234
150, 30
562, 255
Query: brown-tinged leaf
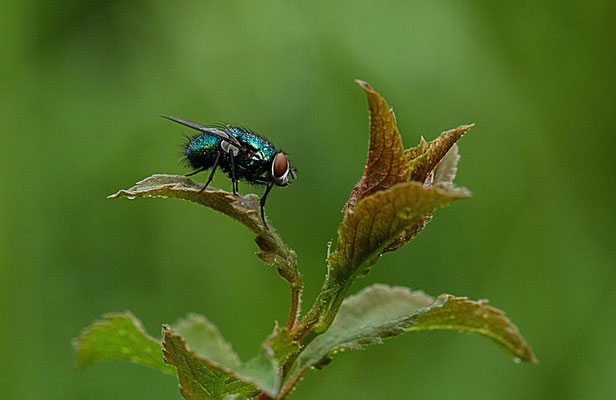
416, 151
200, 378
424, 158
408, 234
119, 337
464, 315
386, 164
387, 208
369, 228
430, 166
242, 208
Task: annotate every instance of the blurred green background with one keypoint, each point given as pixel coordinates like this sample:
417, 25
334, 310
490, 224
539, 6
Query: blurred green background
82, 84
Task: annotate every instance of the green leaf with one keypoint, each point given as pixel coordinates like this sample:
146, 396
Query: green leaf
266, 368
280, 345
119, 337
380, 312
205, 339
376, 313
386, 164
242, 208
377, 220
200, 378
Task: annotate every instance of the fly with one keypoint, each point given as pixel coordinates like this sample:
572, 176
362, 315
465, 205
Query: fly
240, 153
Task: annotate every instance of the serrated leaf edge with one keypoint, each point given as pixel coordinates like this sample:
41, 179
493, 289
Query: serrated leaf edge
105, 320
526, 355
168, 329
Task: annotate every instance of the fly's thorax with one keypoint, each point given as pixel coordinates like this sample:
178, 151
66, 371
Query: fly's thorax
258, 160
252, 140
253, 164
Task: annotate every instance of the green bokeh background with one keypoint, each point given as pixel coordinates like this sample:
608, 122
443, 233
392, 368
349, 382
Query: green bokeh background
82, 84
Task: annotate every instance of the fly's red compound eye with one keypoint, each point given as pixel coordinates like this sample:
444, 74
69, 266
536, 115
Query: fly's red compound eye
281, 165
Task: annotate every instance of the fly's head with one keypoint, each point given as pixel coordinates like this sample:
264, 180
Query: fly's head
281, 170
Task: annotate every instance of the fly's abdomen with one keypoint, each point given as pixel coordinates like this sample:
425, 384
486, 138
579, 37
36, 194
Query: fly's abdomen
201, 151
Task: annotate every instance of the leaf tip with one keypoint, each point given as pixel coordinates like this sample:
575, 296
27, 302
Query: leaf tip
364, 85
466, 128
455, 192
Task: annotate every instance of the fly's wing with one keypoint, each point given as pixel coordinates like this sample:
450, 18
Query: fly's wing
210, 131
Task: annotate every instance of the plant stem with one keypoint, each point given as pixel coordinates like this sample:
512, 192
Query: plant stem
288, 387
323, 311
296, 296
314, 324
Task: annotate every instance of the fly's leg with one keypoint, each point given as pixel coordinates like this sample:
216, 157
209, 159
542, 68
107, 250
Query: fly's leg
262, 202
236, 185
213, 170
232, 151
196, 172
233, 178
